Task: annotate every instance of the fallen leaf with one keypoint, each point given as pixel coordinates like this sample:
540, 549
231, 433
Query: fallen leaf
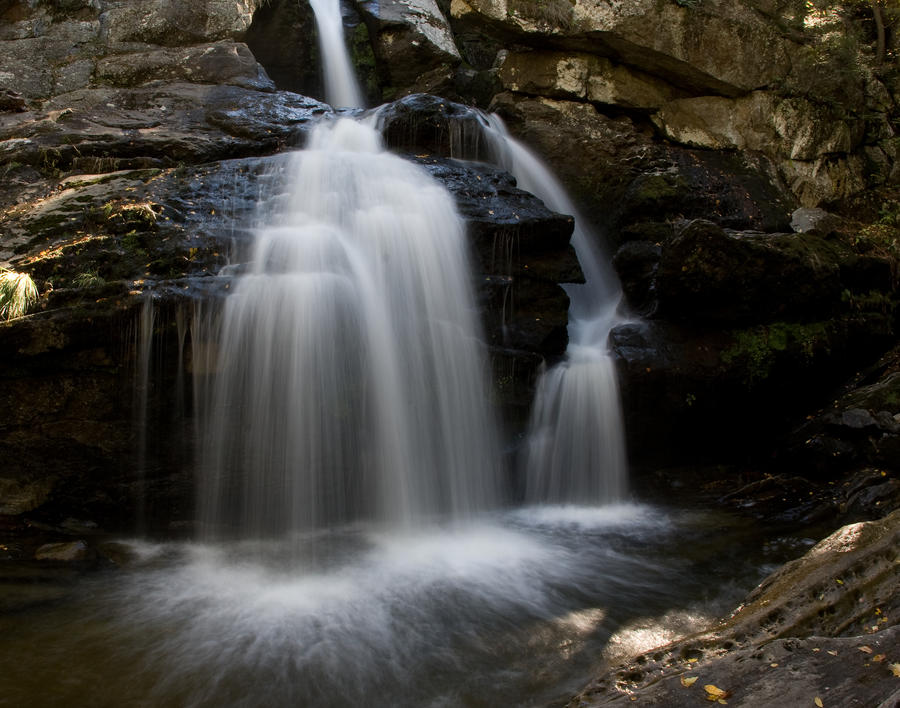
818, 701
833, 653
714, 693
688, 681
865, 649
895, 669
773, 664
878, 658
693, 660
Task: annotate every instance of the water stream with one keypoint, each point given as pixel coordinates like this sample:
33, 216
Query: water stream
575, 442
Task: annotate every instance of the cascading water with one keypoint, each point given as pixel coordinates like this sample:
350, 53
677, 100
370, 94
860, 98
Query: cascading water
341, 87
346, 383
351, 381
575, 441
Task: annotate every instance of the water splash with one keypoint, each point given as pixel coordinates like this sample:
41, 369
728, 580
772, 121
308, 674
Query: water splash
341, 87
351, 380
576, 442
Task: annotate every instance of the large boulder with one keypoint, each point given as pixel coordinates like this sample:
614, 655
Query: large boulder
821, 630
413, 44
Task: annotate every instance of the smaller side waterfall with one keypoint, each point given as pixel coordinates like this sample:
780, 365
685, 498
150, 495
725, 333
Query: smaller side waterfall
341, 87
576, 443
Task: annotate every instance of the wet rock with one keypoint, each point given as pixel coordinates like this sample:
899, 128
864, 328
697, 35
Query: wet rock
109, 129
68, 552
424, 123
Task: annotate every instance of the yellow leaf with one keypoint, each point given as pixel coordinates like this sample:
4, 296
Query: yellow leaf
773, 664
818, 701
715, 691
865, 649
833, 653
688, 681
878, 658
895, 669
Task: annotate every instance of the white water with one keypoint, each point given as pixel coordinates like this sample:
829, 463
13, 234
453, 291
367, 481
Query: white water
351, 381
575, 442
341, 87
507, 609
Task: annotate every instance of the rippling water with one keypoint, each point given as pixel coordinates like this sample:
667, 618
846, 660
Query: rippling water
512, 608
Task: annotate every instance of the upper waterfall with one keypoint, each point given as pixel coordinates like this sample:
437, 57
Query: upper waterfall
341, 87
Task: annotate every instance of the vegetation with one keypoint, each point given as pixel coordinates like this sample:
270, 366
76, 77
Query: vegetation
17, 293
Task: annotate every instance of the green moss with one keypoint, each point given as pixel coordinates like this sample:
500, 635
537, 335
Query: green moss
874, 301
757, 350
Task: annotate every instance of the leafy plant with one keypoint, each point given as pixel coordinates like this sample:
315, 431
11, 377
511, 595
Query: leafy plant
88, 279
17, 293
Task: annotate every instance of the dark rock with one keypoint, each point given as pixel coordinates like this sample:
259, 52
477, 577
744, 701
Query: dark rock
853, 420
11, 101
282, 37
710, 273
423, 123
413, 45
860, 427
636, 263
691, 392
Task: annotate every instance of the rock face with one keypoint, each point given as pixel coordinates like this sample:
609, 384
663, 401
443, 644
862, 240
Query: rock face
151, 191
821, 627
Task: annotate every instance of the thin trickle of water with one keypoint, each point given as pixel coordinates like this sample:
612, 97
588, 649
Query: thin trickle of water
350, 375
575, 442
144, 350
341, 87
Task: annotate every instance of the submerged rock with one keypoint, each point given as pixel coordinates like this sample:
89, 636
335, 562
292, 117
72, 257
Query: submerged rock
68, 552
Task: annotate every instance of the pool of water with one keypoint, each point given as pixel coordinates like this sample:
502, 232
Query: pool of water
511, 608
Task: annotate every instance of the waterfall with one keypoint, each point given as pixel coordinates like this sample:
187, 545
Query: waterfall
350, 373
341, 87
575, 442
